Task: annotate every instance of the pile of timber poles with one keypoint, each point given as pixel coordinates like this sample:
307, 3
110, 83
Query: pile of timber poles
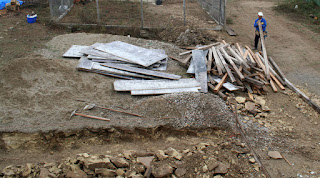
241, 66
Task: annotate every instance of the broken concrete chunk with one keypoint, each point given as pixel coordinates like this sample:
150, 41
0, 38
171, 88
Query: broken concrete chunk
119, 162
162, 171
180, 172
8, 171
161, 155
240, 99
274, 155
205, 168
146, 161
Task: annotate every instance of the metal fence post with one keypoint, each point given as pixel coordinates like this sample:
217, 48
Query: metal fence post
51, 8
184, 12
98, 12
141, 7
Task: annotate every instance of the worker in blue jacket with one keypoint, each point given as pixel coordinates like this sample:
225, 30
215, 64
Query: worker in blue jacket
263, 25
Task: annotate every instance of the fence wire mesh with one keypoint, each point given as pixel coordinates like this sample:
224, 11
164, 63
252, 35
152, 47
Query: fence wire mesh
140, 14
58, 8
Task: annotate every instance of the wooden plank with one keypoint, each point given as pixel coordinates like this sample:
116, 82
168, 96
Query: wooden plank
227, 85
84, 63
114, 75
164, 91
277, 68
74, 51
265, 57
302, 95
277, 82
97, 66
220, 66
191, 68
248, 87
226, 67
273, 86
254, 81
93, 52
217, 88
187, 59
199, 48
239, 58
200, 69
229, 30
142, 71
128, 85
239, 48
136, 54
222, 95
209, 62
232, 63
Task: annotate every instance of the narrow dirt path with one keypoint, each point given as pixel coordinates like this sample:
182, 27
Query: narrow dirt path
293, 46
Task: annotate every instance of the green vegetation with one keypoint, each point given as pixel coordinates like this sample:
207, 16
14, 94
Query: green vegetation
305, 11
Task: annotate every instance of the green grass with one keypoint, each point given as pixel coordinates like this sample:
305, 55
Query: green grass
303, 13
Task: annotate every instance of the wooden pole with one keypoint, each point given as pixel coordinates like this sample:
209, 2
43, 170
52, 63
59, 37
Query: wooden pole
264, 51
141, 9
98, 12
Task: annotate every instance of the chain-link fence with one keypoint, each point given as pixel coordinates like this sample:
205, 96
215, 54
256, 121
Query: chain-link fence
139, 13
215, 8
59, 8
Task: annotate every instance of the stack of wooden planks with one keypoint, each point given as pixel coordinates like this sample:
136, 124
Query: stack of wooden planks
135, 64
222, 66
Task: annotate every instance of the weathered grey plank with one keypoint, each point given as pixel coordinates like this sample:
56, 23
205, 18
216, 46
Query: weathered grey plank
128, 85
97, 66
164, 91
142, 71
84, 64
136, 54
199, 60
191, 67
229, 86
75, 51
114, 75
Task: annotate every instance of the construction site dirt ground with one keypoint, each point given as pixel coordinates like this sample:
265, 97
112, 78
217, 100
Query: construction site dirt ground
39, 89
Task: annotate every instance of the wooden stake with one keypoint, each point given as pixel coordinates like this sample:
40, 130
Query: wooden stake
218, 87
273, 86
264, 51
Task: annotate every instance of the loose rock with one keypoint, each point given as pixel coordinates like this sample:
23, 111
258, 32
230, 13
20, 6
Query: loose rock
275, 155
161, 155
146, 161
105, 172
75, 173
174, 153
221, 169
180, 172
240, 99
162, 171
119, 162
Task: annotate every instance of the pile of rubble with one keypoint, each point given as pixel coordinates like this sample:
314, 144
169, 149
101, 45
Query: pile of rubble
128, 164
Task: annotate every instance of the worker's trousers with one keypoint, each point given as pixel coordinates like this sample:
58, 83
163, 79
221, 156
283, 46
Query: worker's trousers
257, 37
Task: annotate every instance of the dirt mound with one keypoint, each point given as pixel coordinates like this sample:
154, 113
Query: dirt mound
194, 110
39, 94
183, 36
